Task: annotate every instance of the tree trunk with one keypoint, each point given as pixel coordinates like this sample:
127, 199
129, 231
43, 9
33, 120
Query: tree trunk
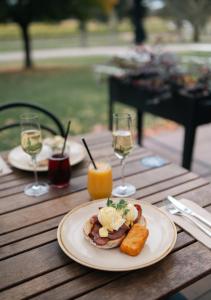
83, 34
113, 26
26, 44
179, 30
196, 33
138, 16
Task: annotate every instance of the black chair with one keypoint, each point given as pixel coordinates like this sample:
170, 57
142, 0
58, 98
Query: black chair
13, 105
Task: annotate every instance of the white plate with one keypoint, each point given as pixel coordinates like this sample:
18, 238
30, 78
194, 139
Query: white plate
20, 160
161, 240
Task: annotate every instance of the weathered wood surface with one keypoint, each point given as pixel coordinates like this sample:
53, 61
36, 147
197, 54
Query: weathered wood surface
33, 266
169, 144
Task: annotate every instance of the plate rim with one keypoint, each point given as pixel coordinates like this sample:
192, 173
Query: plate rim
42, 169
84, 263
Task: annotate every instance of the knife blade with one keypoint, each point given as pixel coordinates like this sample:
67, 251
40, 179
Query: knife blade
187, 210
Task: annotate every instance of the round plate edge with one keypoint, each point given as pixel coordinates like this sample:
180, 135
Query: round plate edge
42, 169
59, 239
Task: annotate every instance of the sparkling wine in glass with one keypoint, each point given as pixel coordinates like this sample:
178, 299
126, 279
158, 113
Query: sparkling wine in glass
31, 142
123, 142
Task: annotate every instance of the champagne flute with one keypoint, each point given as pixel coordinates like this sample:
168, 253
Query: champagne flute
123, 142
31, 142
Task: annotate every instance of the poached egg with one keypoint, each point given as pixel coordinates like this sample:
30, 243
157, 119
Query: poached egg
112, 219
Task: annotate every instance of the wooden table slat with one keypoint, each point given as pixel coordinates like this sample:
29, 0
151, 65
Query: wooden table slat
48, 209
34, 265
16, 199
159, 196
44, 282
59, 276
164, 278
18, 187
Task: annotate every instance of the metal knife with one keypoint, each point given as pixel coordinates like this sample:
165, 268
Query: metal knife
187, 210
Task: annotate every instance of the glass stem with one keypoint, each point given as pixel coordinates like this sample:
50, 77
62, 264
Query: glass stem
123, 171
34, 161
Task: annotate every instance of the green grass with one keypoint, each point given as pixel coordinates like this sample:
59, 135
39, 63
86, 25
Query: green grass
66, 34
60, 29
70, 92
67, 87
63, 34
106, 39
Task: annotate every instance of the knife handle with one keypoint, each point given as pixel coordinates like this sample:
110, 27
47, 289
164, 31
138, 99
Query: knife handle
205, 230
202, 219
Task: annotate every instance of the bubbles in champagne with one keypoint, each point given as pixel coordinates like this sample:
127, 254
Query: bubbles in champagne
122, 143
31, 141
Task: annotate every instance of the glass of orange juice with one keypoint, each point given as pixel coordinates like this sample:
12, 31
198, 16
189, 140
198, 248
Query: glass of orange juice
100, 180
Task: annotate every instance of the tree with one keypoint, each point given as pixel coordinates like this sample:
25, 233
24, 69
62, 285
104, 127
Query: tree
24, 12
83, 11
108, 5
139, 12
197, 12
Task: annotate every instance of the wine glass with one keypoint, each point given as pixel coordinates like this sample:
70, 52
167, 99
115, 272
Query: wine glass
31, 142
123, 142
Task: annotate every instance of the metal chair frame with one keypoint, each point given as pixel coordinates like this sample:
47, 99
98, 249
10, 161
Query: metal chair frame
12, 105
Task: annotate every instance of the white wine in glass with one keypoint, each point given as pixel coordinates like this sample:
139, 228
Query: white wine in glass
123, 142
31, 142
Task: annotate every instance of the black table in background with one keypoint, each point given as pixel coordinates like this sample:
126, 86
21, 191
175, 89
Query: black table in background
187, 110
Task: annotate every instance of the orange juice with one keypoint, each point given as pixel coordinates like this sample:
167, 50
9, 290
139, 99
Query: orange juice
100, 180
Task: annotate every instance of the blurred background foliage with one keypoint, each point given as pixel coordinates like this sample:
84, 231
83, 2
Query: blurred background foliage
68, 86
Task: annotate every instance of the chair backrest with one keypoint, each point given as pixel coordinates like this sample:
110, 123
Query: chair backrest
54, 119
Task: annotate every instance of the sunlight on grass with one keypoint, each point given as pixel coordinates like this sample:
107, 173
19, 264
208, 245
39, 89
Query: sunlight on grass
66, 87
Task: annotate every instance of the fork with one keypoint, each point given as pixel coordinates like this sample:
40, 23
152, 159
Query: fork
174, 211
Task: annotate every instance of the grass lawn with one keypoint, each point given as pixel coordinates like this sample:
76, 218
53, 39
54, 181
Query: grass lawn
66, 87
66, 34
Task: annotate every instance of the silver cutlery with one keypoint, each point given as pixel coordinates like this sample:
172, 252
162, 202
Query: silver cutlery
181, 207
174, 211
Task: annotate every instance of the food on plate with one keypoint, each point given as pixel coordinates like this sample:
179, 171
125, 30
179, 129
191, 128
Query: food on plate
110, 226
55, 143
40, 163
135, 240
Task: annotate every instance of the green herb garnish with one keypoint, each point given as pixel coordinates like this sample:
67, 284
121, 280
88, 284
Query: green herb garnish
121, 205
110, 203
125, 212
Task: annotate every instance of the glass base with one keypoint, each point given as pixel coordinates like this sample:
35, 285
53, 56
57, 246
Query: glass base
124, 191
36, 190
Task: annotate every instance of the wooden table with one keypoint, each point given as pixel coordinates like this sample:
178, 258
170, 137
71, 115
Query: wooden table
33, 266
